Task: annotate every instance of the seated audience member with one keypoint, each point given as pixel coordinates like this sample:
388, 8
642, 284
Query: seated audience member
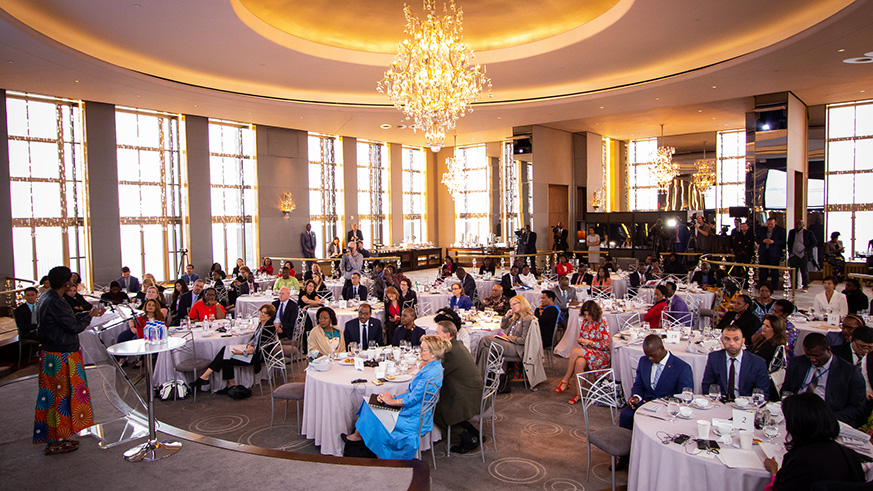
448, 268
266, 267
217, 267
659, 374
782, 308
469, 284
149, 276
76, 300
407, 330
239, 265
286, 313
151, 293
287, 280
355, 291
742, 316
461, 392
592, 352
44, 285
226, 296
565, 297
772, 336
833, 379
583, 277
127, 282
676, 304
855, 297
609, 264
704, 276
514, 329
847, 327
653, 316
250, 356
335, 249
152, 311
321, 287
459, 301
249, 287
207, 307
114, 295
140, 296
635, 278
309, 297
549, 315
497, 301
403, 441
325, 337
393, 313
765, 300
737, 372
653, 268
813, 455
290, 265
313, 269
487, 267
190, 276
25, 315
407, 295
528, 280
830, 301
601, 283
563, 267
365, 330
510, 281
855, 351
674, 266
180, 288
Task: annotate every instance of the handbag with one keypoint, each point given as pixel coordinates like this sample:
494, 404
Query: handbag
239, 392
778, 367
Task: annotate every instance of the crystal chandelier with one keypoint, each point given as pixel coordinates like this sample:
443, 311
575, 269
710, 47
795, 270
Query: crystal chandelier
455, 175
705, 175
287, 205
663, 169
433, 79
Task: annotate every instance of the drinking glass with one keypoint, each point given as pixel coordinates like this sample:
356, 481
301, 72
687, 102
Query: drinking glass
771, 431
353, 347
715, 392
673, 411
687, 395
758, 398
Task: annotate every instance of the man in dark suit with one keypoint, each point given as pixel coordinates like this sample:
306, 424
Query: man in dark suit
286, 313
188, 299
583, 276
833, 379
737, 372
25, 315
530, 247
128, 282
670, 376
509, 281
771, 248
469, 285
855, 297
855, 351
800, 244
679, 239
704, 276
249, 287
308, 241
356, 235
356, 290
365, 330
742, 316
560, 237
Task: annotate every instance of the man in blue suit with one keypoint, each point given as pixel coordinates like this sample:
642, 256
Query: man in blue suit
677, 307
737, 372
669, 376
128, 282
355, 291
190, 276
364, 327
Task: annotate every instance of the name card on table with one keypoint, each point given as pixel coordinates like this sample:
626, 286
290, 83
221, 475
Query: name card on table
359, 363
673, 337
744, 420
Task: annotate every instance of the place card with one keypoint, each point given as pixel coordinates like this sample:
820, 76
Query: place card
673, 337
744, 420
359, 363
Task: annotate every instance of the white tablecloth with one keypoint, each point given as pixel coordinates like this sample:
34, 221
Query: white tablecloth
702, 299
206, 347
804, 328
469, 336
347, 314
435, 301
574, 325
654, 465
626, 358
336, 288
248, 305
330, 402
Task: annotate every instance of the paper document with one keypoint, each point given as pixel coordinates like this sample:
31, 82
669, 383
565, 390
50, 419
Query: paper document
387, 417
773, 451
229, 353
733, 458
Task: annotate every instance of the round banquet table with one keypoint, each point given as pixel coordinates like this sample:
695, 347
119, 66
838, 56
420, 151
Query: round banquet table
436, 301
248, 305
625, 359
207, 345
470, 335
654, 465
347, 314
484, 285
615, 320
703, 299
102, 332
330, 402
336, 288
804, 328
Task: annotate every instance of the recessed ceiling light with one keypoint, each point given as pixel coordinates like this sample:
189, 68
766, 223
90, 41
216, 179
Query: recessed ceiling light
136, 5
700, 110
385, 126
657, 98
715, 86
841, 50
601, 107
860, 60
869, 53
713, 118
10, 61
498, 117
76, 81
401, 126
195, 105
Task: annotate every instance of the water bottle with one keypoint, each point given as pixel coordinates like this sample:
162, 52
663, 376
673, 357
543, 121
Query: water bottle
149, 333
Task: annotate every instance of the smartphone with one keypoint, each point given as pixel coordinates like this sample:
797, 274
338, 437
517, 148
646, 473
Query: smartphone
707, 445
681, 439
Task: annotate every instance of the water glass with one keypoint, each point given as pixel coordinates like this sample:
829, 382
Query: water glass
687, 395
714, 392
771, 431
758, 398
673, 411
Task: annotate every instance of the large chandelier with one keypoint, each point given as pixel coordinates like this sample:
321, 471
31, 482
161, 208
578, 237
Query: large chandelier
663, 169
433, 79
705, 175
455, 175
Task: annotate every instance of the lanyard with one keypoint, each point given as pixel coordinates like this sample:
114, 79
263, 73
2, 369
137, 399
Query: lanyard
803, 388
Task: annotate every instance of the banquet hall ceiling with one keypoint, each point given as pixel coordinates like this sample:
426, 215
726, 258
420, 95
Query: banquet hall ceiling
615, 67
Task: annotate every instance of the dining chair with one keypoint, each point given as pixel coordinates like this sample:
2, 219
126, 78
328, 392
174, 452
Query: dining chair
535, 324
185, 359
425, 309
293, 347
272, 359
487, 410
597, 387
428, 403
633, 320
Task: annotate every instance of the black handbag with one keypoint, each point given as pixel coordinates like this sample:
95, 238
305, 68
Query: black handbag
239, 392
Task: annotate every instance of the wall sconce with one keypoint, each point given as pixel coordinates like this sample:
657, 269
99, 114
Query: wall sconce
287, 205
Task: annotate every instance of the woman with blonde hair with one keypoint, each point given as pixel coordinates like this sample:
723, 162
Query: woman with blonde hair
514, 328
593, 350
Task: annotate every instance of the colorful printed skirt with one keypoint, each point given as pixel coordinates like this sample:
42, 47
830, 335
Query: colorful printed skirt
63, 404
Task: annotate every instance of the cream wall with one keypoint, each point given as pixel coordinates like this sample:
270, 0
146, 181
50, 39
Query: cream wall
553, 163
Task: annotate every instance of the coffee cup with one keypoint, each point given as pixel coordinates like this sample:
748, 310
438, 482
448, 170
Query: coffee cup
701, 402
685, 412
745, 440
703, 429
723, 429
742, 402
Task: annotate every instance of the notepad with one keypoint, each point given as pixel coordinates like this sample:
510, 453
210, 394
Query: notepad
386, 414
736, 458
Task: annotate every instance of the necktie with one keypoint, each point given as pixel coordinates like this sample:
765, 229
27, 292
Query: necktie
32, 313
814, 382
356, 292
657, 375
364, 337
281, 310
732, 377
565, 297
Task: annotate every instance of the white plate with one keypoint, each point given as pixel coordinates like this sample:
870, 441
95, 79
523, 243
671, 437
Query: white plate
402, 378
695, 406
690, 416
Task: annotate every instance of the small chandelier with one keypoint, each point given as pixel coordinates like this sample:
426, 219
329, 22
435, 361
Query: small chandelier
705, 175
455, 174
287, 205
599, 199
663, 169
433, 79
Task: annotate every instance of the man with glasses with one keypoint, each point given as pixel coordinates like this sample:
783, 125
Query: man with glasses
847, 329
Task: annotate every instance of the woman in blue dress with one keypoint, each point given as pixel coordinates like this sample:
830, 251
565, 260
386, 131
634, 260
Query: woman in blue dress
402, 443
459, 301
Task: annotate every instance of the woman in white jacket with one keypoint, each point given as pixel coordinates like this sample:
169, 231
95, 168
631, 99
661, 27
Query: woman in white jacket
831, 301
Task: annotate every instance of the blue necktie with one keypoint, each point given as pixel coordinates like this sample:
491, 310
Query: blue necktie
657, 375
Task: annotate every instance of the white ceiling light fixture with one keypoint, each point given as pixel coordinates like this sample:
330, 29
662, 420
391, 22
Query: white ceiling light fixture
705, 175
434, 78
455, 174
663, 169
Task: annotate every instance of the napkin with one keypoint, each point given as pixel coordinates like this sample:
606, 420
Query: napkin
734, 458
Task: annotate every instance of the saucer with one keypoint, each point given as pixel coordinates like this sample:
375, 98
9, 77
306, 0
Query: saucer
702, 408
690, 416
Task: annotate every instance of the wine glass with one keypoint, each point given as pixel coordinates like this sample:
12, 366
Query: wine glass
758, 398
714, 392
771, 431
687, 395
673, 411
353, 348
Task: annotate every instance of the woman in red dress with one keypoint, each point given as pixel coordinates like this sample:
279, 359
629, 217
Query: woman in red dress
563, 267
653, 316
593, 350
267, 267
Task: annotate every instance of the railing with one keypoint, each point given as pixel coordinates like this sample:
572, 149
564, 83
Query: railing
11, 292
787, 272
324, 262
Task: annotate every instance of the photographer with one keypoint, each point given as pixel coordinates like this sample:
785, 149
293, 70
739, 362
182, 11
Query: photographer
705, 234
351, 263
560, 237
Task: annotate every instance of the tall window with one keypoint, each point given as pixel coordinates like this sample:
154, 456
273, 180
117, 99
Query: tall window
472, 205
849, 174
642, 190
510, 183
233, 175
414, 195
150, 192
373, 183
730, 186
325, 190
47, 188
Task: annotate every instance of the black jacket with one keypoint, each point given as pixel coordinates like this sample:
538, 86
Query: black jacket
816, 462
349, 293
59, 327
845, 392
506, 282
186, 300
808, 241
289, 316
23, 318
748, 322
